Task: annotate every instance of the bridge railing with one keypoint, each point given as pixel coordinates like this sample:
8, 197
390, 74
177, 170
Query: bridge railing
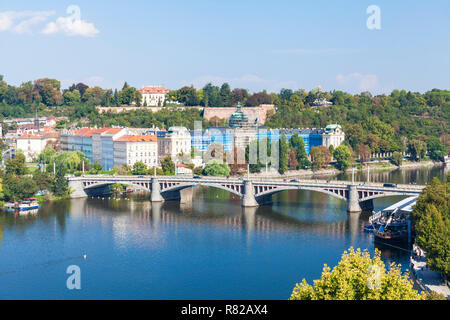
318, 182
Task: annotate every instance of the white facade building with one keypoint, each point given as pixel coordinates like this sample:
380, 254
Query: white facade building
130, 149
177, 141
153, 96
333, 135
33, 144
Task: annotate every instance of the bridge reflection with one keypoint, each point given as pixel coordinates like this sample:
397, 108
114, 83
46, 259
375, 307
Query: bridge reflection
258, 220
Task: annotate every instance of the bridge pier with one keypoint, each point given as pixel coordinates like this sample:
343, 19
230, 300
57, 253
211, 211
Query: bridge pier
367, 205
77, 188
186, 196
248, 200
353, 200
155, 195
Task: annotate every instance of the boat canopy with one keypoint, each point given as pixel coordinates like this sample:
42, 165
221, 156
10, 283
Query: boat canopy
404, 206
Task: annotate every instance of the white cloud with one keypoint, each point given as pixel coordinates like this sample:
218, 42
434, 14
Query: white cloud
22, 21
357, 81
71, 25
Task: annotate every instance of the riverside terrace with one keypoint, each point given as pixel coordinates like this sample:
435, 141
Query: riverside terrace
253, 192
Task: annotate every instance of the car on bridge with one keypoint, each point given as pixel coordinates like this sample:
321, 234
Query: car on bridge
390, 185
197, 177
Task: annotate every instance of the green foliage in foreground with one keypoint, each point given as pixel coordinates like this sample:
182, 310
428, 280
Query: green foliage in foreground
358, 277
216, 168
431, 216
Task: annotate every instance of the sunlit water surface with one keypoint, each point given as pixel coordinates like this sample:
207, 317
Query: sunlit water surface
212, 249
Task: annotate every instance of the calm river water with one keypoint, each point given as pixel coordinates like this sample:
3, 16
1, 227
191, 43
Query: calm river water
213, 249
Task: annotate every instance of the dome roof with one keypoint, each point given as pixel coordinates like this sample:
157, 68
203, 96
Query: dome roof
238, 119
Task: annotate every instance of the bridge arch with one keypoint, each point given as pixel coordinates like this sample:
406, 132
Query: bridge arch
101, 184
203, 184
284, 188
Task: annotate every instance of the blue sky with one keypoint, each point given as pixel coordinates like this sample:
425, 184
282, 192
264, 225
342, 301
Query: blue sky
251, 44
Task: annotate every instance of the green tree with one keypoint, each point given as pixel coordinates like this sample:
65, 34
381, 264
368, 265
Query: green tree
397, 158
358, 277
216, 168
47, 155
436, 148
342, 156
168, 166
302, 158
139, 168
43, 180
284, 154
97, 167
18, 187
16, 165
60, 187
417, 149
431, 216
72, 98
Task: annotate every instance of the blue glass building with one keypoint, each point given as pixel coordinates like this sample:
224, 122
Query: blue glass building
225, 136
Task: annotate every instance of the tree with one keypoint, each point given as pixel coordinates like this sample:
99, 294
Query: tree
436, 148
60, 187
216, 168
18, 187
257, 99
43, 180
364, 153
284, 154
168, 166
299, 145
47, 155
358, 277
48, 90
71, 98
97, 167
16, 165
417, 149
139, 168
431, 217
320, 157
342, 155
293, 163
397, 158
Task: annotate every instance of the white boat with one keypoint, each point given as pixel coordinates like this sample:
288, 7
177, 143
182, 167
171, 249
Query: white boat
28, 205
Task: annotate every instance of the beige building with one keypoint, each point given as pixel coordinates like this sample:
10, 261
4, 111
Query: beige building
129, 149
33, 144
333, 135
153, 95
177, 141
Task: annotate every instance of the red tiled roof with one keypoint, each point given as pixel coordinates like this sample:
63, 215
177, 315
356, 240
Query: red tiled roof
45, 135
137, 138
154, 89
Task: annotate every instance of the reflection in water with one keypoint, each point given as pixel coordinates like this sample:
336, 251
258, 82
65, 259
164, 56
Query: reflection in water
211, 248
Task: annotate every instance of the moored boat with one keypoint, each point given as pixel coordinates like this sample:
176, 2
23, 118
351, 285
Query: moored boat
27, 205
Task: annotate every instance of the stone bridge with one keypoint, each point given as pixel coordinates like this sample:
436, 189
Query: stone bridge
253, 192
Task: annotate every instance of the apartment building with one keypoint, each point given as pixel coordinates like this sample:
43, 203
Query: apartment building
129, 149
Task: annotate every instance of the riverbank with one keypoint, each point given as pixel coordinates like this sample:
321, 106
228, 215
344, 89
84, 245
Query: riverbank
331, 171
426, 279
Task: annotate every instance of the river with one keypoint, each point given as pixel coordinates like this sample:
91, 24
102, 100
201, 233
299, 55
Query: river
212, 249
